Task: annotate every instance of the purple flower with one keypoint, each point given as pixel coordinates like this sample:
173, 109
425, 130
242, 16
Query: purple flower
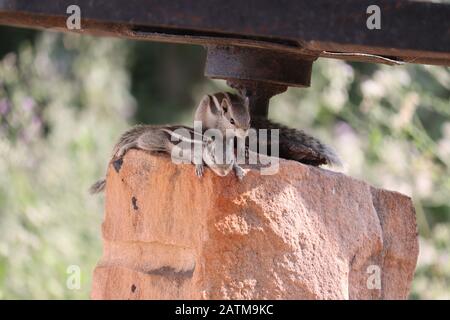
5, 107
28, 104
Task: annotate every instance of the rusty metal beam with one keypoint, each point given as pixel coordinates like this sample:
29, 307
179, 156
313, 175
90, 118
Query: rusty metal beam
412, 31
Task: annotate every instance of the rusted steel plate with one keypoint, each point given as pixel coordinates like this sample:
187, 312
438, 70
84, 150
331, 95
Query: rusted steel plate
410, 31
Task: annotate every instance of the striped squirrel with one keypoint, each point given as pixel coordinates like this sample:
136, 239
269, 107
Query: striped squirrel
230, 111
224, 111
160, 139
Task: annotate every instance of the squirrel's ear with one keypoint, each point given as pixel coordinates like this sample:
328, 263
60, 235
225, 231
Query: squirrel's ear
205, 101
204, 106
224, 105
246, 102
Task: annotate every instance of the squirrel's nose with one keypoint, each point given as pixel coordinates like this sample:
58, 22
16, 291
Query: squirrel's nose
243, 132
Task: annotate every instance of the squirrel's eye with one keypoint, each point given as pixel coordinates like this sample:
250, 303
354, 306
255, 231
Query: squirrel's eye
232, 121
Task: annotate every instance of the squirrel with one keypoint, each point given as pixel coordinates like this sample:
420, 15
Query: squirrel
160, 139
230, 111
224, 111
217, 112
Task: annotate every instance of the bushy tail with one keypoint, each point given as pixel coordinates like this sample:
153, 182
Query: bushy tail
98, 187
299, 146
310, 149
331, 156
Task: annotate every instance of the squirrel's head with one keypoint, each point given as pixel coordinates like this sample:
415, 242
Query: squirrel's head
234, 113
216, 160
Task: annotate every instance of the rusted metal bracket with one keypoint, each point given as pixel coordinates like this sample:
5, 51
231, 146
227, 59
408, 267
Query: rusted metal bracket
260, 46
232, 62
258, 74
258, 92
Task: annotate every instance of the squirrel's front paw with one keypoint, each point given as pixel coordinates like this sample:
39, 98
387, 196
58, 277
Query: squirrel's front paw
240, 173
199, 168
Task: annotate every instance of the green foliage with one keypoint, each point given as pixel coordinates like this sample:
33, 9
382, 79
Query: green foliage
64, 100
62, 104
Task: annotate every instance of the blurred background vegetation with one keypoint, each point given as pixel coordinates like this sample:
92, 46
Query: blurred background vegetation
65, 99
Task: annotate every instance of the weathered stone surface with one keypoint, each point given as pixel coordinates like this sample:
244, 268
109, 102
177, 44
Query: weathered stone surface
305, 233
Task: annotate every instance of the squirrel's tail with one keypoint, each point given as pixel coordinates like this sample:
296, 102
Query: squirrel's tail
98, 187
315, 150
330, 155
299, 146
